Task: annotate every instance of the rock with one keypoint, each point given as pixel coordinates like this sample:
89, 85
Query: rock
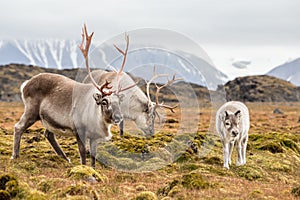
278, 111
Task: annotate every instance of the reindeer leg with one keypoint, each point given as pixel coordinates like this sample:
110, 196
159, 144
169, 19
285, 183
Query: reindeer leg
93, 151
239, 153
81, 147
226, 154
121, 125
25, 122
231, 145
244, 148
51, 138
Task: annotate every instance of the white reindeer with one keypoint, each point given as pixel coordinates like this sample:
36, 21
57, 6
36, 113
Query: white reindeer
232, 124
135, 106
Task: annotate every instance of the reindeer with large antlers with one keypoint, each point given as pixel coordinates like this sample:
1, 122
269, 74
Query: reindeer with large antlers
136, 106
66, 107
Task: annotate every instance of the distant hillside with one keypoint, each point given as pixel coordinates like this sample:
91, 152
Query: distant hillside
289, 71
251, 88
262, 89
13, 75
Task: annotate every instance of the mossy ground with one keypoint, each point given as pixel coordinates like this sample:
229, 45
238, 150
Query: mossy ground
272, 169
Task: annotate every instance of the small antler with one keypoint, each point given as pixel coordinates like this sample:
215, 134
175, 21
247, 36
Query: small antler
85, 51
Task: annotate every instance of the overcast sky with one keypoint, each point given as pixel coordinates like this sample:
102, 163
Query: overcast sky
264, 33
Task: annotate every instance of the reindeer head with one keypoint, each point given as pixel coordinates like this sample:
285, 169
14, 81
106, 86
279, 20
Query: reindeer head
109, 101
231, 123
150, 109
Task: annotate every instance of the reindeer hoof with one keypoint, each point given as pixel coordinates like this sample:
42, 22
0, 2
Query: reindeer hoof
226, 166
14, 157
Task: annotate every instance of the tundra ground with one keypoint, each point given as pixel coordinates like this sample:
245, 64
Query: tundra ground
272, 170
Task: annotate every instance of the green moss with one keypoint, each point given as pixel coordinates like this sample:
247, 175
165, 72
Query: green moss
4, 195
12, 187
35, 195
140, 188
272, 147
214, 160
146, 195
80, 190
189, 167
131, 143
256, 194
167, 198
291, 145
194, 180
9, 183
28, 193
200, 138
44, 186
296, 191
280, 166
250, 173
185, 157
174, 191
167, 188
4, 179
86, 173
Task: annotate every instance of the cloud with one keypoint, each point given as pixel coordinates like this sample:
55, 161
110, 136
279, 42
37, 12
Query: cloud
241, 64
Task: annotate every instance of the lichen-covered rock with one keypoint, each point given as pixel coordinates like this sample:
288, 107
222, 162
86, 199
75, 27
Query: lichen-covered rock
194, 180
78, 190
83, 172
146, 195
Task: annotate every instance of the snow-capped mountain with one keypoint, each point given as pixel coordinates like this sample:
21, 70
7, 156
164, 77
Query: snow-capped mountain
62, 54
289, 71
45, 53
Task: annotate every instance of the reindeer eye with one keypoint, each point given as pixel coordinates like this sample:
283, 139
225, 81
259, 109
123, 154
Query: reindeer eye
227, 124
104, 103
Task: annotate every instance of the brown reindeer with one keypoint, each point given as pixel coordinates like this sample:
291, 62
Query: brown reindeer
67, 107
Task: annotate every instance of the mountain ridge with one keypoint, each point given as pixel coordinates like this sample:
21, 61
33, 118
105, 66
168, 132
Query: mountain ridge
289, 71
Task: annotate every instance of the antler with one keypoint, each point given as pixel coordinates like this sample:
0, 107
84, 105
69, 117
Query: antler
155, 76
85, 51
124, 53
170, 82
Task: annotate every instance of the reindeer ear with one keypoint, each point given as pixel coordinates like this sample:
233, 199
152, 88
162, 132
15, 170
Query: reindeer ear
97, 98
226, 114
238, 114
